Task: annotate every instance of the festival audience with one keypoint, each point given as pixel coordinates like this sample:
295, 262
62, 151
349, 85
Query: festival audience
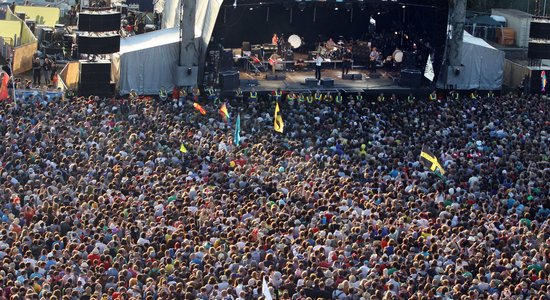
99, 201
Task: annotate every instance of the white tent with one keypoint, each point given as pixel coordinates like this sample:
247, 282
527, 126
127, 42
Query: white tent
482, 66
146, 62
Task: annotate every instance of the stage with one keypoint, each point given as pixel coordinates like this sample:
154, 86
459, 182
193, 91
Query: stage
386, 82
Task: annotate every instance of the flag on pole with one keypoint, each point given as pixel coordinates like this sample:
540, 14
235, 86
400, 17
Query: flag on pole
278, 123
428, 159
199, 108
4, 86
429, 72
265, 290
224, 112
237, 136
183, 149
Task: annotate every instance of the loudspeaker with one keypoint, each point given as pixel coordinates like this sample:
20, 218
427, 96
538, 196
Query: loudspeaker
539, 30
229, 80
348, 77
270, 77
99, 21
409, 60
327, 82
246, 46
226, 60
374, 75
46, 35
410, 78
98, 45
311, 82
538, 50
357, 76
95, 78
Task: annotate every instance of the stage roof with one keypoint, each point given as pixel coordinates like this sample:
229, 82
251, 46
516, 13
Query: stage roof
149, 40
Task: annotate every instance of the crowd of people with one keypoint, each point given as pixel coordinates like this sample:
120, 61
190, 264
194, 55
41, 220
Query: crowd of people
145, 199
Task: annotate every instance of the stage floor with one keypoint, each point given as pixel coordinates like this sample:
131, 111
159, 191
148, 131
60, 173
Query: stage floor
295, 81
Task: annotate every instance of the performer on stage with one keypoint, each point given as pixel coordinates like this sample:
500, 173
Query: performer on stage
318, 65
275, 39
346, 62
373, 58
330, 45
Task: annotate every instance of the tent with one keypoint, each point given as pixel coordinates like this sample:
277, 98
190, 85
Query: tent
146, 62
482, 66
482, 26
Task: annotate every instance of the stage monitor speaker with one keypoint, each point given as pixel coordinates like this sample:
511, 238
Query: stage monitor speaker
98, 44
226, 60
327, 82
410, 78
539, 30
246, 46
95, 78
348, 77
99, 21
229, 80
538, 50
311, 82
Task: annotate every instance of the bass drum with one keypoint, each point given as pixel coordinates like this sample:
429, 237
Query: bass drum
295, 41
398, 56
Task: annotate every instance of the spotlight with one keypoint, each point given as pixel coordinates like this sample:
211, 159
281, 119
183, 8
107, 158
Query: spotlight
378, 13
349, 6
301, 6
235, 4
403, 6
336, 8
252, 8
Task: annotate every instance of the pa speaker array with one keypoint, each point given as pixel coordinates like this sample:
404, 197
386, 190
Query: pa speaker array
98, 44
99, 21
95, 78
539, 46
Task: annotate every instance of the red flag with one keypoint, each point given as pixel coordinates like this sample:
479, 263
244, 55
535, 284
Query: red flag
4, 87
199, 108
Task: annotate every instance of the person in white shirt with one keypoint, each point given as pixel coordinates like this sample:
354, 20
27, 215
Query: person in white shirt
318, 63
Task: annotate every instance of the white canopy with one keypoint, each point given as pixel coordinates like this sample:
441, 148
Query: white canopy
482, 66
146, 62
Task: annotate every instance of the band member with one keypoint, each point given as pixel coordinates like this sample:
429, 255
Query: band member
330, 45
273, 62
373, 58
274, 39
346, 62
318, 64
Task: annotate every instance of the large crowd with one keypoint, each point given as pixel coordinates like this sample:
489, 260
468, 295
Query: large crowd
100, 201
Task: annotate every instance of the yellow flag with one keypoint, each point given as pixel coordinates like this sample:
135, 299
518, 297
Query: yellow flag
278, 123
182, 148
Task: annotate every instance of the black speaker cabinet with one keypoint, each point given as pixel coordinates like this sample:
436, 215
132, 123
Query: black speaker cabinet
311, 82
538, 50
327, 82
95, 78
410, 78
98, 44
229, 80
226, 60
539, 30
409, 60
99, 21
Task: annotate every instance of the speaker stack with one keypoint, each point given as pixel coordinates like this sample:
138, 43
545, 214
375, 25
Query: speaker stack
97, 36
538, 49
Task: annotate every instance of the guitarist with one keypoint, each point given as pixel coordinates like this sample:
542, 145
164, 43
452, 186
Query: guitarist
373, 58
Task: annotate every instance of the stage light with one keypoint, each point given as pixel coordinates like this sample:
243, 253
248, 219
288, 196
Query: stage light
301, 6
349, 6
378, 13
235, 4
403, 6
252, 8
336, 8
361, 5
